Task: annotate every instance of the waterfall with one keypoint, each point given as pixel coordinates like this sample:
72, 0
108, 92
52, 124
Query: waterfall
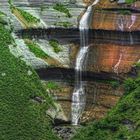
79, 97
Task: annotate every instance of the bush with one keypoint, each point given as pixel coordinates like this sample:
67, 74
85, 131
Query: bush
61, 8
129, 84
33, 47
27, 16
55, 45
20, 116
52, 85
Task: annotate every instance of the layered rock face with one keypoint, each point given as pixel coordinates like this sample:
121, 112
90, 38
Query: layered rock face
115, 57
114, 46
100, 98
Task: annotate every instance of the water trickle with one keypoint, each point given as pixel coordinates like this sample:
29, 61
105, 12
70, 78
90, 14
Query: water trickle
79, 97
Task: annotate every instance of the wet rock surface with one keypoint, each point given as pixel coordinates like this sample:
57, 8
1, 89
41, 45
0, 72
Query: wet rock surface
100, 98
65, 132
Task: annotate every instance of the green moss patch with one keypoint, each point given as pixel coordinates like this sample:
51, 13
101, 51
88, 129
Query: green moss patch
27, 16
61, 8
33, 47
55, 45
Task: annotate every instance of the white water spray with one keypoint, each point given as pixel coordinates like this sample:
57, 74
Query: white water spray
79, 97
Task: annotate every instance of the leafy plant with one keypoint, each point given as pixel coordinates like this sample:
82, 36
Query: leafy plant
130, 1
61, 8
55, 45
27, 16
36, 49
52, 85
21, 117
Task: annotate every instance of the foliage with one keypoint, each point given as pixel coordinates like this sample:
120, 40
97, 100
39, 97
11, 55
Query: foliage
55, 45
61, 8
36, 49
52, 85
63, 24
138, 64
125, 12
129, 84
121, 123
114, 84
27, 16
21, 117
130, 1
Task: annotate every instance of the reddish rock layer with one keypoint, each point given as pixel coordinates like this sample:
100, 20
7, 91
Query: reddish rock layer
109, 20
113, 58
107, 4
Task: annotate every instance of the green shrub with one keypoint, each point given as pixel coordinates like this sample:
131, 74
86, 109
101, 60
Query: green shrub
114, 84
130, 1
125, 12
52, 85
129, 84
20, 116
27, 16
61, 8
55, 45
36, 49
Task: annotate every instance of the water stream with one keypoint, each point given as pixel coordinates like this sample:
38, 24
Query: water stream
79, 96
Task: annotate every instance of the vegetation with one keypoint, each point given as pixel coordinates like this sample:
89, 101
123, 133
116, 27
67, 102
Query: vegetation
21, 117
55, 45
130, 1
125, 12
27, 16
61, 8
52, 85
63, 24
36, 49
122, 122
138, 64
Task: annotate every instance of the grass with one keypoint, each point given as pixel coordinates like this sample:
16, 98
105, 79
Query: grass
21, 118
27, 16
63, 24
122, 122
33, 47
61, 8
55, 45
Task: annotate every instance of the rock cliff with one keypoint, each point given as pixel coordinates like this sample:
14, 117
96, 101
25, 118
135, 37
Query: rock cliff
114, 44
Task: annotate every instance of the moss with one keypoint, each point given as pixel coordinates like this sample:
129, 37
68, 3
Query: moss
36, 49
55, 45
27, 16
20, 117
61, 8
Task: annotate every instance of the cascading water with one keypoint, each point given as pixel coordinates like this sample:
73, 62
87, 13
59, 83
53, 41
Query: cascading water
78, 97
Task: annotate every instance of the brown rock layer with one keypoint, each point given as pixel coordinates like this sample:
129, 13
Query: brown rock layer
112, 57
100, 98
115, 20
107, 4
